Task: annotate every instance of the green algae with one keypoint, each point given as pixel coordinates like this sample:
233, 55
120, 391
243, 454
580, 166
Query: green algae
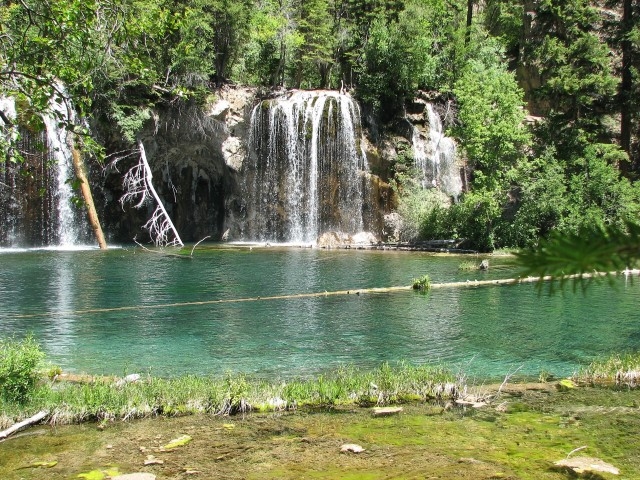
519, 436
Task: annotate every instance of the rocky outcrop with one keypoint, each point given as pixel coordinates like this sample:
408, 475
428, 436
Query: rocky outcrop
195, 155
199, 156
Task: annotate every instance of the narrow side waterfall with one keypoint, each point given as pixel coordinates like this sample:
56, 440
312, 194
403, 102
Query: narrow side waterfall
435, 157
36, 207
306, 173
61, 155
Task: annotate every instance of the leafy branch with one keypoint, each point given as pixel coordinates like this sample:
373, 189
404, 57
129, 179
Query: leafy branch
591, 249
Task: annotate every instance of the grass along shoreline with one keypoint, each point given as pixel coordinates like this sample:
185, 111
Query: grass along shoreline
28, 386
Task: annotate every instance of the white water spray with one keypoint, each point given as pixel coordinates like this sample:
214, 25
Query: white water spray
435, 157
61, 153
304, 175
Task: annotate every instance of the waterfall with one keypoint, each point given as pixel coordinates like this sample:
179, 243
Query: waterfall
435, 157
36, 207
306, 171
61, 153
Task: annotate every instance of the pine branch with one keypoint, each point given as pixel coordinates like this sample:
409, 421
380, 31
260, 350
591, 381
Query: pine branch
596, 249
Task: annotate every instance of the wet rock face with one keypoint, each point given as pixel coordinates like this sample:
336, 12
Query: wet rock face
195, 156
201, 159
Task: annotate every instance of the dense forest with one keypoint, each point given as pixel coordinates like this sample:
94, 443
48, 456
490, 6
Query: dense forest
541, 95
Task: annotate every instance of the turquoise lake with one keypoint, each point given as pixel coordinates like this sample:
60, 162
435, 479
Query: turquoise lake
82, 306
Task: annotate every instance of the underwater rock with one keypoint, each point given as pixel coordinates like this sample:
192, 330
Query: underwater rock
176, 442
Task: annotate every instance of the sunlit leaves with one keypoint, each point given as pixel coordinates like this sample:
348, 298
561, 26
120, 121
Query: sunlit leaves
491, 118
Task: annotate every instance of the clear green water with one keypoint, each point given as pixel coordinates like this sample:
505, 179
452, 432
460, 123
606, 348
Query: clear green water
484, 331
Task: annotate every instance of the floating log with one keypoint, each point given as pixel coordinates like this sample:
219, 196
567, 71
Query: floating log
37, 418
434, 286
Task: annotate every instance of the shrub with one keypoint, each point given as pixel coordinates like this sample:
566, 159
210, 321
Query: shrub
19, 363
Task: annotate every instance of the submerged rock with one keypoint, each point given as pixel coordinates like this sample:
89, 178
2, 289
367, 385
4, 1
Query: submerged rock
177, 442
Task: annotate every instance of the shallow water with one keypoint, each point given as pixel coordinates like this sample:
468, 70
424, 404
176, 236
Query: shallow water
424, 441
484, 331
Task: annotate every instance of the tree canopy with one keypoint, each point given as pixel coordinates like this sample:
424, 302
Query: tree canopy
569, 68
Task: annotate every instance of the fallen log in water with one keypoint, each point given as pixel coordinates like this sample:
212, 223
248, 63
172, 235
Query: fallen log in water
37, 418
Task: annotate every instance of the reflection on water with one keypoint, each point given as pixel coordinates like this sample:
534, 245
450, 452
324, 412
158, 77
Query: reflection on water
486, 331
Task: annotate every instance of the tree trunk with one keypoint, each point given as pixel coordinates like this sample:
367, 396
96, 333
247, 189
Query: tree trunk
37, 418
81, 173
626, 86
467, 33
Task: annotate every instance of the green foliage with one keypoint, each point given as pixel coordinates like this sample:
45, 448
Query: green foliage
574, 62
621, 369
415, 206
20, 361
473, 219
314, 55
416, 47
130, 120
491, 115
423, 283
102, 399
540, 201
592, 248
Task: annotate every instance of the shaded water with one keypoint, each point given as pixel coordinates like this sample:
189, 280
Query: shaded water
486, 331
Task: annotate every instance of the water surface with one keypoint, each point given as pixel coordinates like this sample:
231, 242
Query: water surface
483, 331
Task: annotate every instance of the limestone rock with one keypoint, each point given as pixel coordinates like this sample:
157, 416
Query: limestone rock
220, 109
135, 476
587, 464
132, 378
233, 152
351, 447
385, 411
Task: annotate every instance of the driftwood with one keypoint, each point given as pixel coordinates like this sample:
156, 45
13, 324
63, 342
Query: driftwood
38, 417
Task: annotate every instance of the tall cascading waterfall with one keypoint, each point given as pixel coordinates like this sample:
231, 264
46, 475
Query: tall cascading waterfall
306, 173
36, 207
59, 149
435, 157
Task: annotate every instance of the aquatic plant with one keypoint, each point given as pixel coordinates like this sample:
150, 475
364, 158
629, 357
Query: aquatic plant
620, 369
468, 265
105, 400
423, 283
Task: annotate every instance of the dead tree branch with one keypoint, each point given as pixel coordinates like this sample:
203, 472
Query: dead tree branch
138, 186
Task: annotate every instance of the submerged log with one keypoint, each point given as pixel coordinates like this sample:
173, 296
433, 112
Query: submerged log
37, 418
